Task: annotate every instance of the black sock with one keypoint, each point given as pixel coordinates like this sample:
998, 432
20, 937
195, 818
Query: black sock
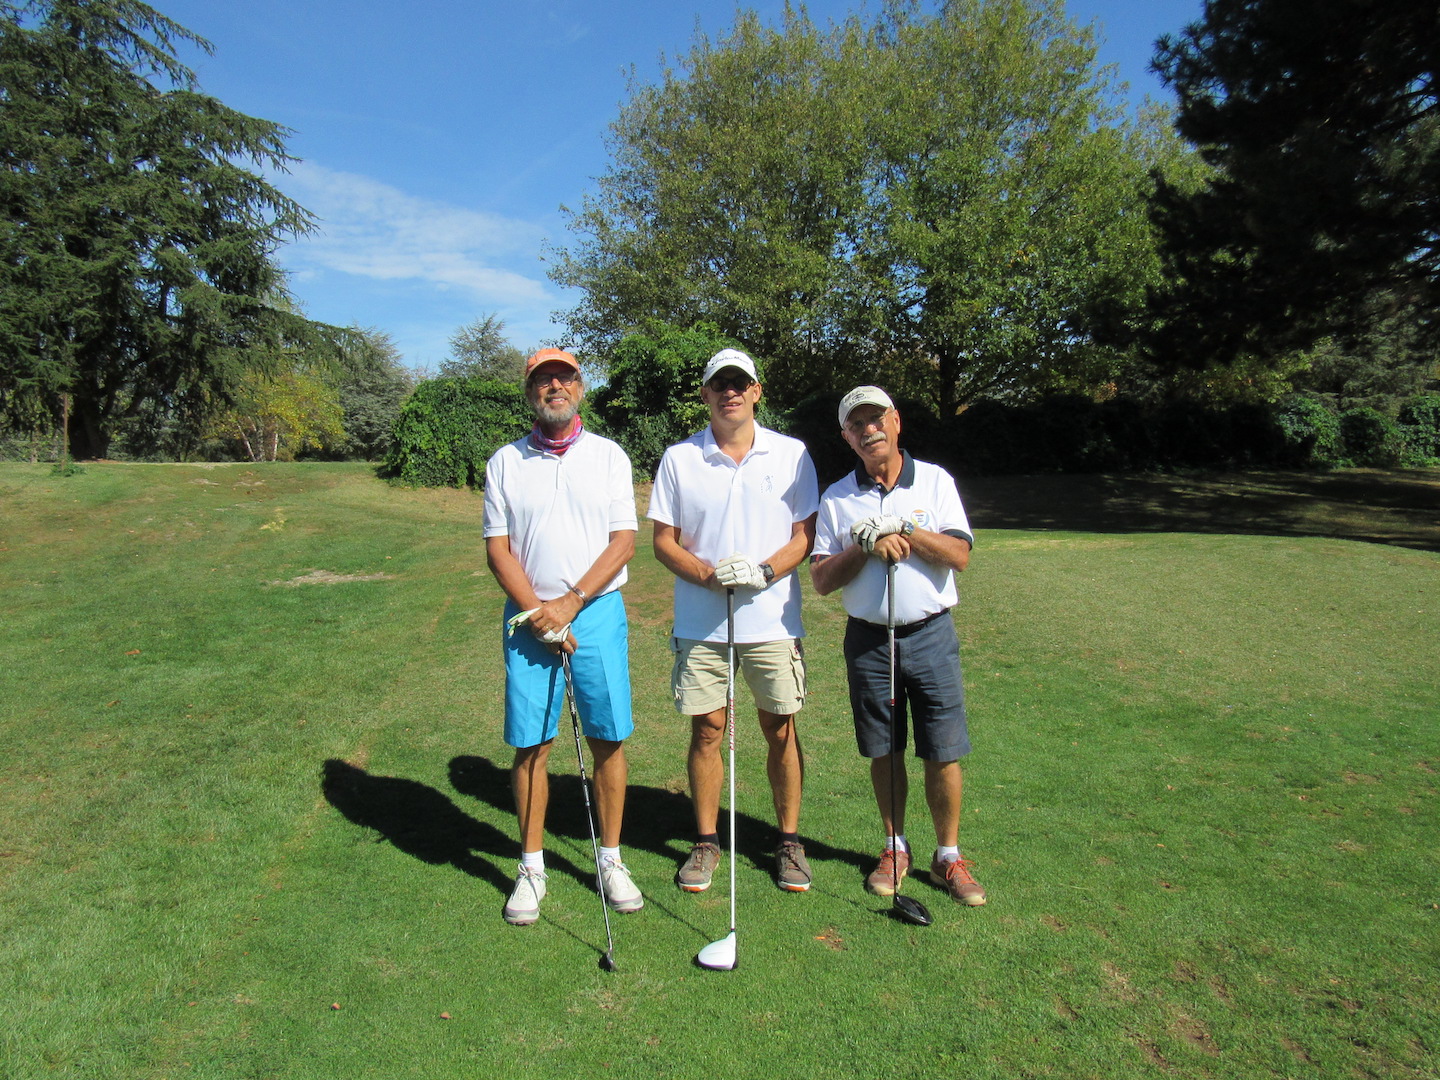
789, 838
710, 838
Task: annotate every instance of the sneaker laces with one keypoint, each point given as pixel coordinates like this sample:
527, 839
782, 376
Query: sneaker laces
960, 868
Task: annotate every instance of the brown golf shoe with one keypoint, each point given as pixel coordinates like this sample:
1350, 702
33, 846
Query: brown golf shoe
882, 879
698, 869
955, 878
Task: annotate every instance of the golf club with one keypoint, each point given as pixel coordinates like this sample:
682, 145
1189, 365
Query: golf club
901, 907
607, 962
720, 955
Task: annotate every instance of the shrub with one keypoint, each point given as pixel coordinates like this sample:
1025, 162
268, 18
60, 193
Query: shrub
1311, 431
1371, 438
448, 429
1420, 426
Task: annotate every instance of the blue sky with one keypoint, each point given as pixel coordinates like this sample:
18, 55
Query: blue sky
440, 138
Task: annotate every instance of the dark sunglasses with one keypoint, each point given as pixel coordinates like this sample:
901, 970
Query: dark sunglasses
720, 383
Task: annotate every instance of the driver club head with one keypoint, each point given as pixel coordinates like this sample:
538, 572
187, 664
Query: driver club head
910, 911
718, 955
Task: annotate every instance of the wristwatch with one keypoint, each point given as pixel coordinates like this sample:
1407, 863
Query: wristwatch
768, 571
907, 528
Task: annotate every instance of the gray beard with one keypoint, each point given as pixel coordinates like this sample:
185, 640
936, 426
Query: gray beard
556, 417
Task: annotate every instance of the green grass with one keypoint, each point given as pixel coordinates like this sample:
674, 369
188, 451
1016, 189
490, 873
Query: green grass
1202, 799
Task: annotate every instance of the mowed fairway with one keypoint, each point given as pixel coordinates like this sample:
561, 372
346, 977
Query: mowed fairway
255, 817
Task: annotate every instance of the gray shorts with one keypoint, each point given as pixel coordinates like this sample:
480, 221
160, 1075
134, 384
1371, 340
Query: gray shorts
774, 671
928, 687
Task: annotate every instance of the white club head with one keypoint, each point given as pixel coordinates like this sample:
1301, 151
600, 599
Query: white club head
719, 955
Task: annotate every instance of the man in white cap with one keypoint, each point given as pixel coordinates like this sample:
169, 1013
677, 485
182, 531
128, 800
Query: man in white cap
896, 511
559, 529
734, 509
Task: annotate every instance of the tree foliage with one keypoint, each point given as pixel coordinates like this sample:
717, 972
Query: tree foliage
480, 350
136, 247
276, 417
948, 204
651, 397
372, 390
1321, 119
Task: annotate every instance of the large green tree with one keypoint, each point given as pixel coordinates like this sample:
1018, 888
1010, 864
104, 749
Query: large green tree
948, 202
480, 350
136, 246
1321, 119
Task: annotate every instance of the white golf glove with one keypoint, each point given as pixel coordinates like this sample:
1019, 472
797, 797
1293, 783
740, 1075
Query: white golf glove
550, 637
868, 530
740, 572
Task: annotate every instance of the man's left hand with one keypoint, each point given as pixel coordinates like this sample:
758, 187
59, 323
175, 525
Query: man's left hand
867, 531
740, 572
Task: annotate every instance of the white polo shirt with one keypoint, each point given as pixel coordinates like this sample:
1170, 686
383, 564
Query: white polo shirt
722, 508
559, 509
925, 494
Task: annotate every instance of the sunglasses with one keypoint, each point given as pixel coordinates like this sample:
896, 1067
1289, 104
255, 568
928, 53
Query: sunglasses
720, 383
567, 377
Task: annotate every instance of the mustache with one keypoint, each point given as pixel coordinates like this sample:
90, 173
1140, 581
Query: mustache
872, 438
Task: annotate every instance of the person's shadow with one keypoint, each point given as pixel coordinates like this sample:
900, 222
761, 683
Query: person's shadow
419, 821
656, 820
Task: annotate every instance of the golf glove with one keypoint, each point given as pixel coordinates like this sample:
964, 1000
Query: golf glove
868, 530
550, 637
740, 572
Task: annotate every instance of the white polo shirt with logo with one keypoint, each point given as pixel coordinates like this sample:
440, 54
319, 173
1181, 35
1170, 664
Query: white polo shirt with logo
723, 508
924, 494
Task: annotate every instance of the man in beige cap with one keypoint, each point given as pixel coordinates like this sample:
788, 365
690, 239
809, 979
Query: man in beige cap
894, 511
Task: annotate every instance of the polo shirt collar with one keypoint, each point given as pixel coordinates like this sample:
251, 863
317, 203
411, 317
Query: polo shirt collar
864, 481
710, 447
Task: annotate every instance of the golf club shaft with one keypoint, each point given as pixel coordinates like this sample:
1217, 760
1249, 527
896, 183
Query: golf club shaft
730, 724
894, 715
589, 811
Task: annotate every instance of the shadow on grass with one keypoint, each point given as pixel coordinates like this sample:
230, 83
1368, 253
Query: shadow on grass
419, 821
656, 820
1400, 507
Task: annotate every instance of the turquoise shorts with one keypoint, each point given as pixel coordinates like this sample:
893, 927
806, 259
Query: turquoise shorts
600, 668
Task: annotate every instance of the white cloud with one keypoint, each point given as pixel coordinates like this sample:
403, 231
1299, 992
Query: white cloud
372, 230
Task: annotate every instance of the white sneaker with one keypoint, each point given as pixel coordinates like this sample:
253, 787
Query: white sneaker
523, 907
620, 892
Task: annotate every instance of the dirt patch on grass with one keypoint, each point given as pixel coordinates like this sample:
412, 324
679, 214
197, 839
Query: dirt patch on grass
326, 577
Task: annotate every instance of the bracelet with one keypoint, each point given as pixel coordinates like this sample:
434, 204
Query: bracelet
576, 590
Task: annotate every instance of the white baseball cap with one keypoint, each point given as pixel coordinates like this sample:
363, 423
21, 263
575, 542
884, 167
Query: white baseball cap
729, 358
863, 395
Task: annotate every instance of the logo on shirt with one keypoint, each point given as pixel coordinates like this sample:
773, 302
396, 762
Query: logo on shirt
921, 518
767, 485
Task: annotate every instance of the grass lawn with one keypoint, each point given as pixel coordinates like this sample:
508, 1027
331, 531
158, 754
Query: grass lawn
255, 818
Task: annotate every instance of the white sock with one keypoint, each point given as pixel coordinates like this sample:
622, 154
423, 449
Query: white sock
946, 854
609, 854
535, 860
900, 842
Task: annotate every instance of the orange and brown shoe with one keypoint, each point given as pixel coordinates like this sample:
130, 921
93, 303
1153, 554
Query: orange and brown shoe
955, 878
882, 879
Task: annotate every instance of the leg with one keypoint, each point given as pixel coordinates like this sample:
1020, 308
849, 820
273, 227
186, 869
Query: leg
942, 792
530, 780
785, 766
610, 776
880, 781
707, 770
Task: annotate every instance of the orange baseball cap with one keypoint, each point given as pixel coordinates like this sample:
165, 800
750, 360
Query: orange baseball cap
546, 356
